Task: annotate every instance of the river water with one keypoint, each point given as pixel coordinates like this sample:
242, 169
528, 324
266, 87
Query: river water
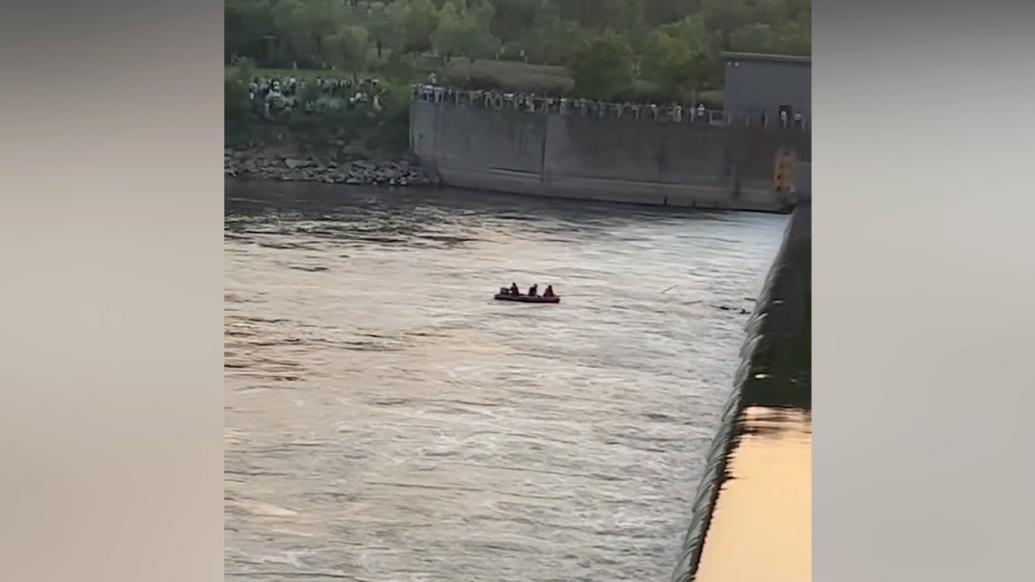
387, 421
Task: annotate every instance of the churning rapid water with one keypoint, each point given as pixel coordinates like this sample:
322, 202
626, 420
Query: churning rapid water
387, 421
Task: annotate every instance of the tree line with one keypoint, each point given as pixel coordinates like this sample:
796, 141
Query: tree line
606, 45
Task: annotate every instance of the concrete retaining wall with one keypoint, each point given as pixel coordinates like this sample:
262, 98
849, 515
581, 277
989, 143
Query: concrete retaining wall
618, 160
803, 179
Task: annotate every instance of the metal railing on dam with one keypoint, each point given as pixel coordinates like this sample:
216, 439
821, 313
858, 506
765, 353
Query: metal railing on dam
664, 113
751, 518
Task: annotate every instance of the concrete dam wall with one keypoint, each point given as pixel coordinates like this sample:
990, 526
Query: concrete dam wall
610, 159
762, 450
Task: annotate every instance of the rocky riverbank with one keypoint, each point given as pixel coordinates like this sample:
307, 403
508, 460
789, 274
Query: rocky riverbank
269, 165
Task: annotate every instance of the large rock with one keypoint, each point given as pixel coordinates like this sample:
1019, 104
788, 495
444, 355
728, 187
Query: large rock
388, 173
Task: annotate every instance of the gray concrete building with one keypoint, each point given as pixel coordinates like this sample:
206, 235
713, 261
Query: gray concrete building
757, 83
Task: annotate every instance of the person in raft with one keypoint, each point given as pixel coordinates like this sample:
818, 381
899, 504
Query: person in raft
549, 291
514, 289
533, 290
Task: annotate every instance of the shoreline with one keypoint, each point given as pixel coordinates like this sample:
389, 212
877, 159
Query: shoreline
424, 184
293, 166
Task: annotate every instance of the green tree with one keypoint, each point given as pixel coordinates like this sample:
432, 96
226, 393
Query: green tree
247, 26
603, 66
754, 38
797, 7
304, 25
722, 17
634, 24
414, 21
658, 12
283, 32
463, 32
448, 37
347, 49
513, 19
382, 29
795, 38
772, 12
676, 57
597, 15
553, 40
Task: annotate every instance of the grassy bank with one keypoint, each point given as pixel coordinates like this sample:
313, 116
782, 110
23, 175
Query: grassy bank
318, 120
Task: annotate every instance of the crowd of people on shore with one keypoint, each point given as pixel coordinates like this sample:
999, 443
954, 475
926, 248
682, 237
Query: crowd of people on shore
270, 96
531, 103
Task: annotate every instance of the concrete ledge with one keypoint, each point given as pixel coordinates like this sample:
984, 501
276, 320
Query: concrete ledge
703, 196
775, 354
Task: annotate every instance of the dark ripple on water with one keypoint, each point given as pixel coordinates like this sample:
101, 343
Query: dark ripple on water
385, 420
